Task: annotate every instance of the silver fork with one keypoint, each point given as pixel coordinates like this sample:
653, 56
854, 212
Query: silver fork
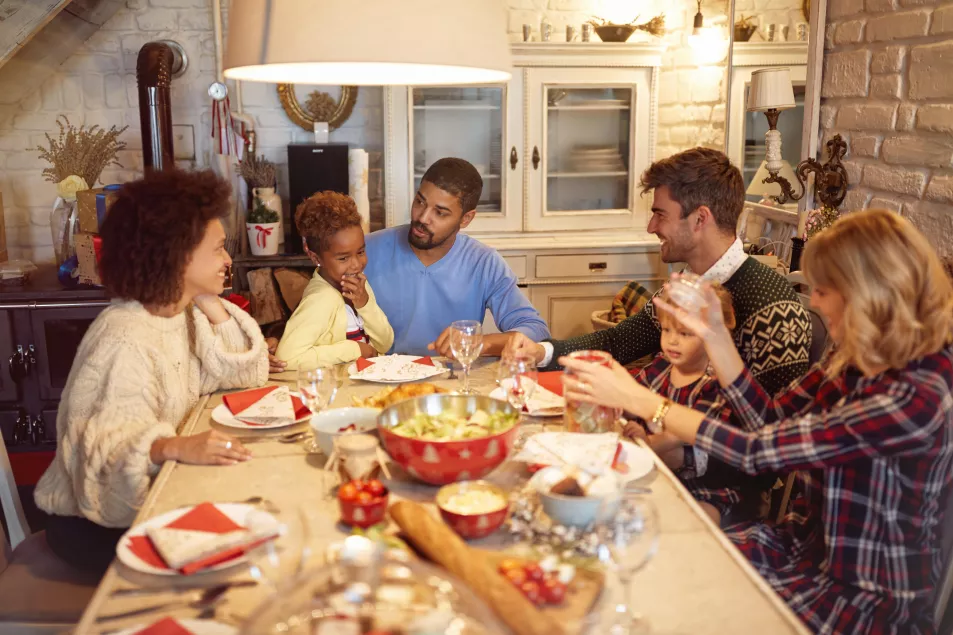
452, 375
207, 598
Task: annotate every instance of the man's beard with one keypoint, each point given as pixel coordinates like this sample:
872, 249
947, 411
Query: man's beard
422, 243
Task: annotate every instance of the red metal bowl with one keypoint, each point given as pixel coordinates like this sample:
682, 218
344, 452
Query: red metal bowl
472, 526
443, 462
365, 515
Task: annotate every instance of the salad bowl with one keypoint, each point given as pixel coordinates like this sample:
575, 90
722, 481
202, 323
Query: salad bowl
441, 439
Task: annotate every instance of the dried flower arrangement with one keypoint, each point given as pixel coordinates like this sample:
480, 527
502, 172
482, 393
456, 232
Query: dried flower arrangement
655, 26
818, 220
82, 152
257, 171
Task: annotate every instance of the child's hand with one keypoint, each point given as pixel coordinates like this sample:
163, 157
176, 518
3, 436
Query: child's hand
275, 365
634, 430
353, 288
367, 351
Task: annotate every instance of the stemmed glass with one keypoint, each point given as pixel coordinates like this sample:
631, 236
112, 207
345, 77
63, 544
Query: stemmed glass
317, 387
285, 556
466, 343
517, 378
628, 539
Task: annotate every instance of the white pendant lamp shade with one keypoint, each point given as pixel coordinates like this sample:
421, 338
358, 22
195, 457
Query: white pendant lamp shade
771, 88
368, 42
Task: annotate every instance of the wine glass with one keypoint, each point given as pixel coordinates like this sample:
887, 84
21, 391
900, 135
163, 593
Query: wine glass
466, 342
317, 387
286, 555
628, 539
517, 378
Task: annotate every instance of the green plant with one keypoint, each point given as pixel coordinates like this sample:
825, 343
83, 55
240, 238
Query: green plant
261, 214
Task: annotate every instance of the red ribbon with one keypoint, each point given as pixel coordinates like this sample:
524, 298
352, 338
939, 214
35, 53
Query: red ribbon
262, 233
98, 247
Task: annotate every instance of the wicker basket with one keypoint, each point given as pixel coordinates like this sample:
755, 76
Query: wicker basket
600, 321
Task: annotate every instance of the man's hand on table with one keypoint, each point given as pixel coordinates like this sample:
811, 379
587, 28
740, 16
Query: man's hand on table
519, 345
208, 448
494, 344
275, 365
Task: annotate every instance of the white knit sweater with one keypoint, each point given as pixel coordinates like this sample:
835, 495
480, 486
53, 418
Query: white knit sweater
135, 378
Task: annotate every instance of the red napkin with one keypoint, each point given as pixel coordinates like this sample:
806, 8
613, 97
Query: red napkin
238, 401
424, 361
551, 381
363, 363
165, 626
202, 517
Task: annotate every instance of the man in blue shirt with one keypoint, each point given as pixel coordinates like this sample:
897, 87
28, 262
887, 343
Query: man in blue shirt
427, 274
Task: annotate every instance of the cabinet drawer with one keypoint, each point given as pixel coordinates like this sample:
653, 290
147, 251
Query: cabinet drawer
597, 265
517, 264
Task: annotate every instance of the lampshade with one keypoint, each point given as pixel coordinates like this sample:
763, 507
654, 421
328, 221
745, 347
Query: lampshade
771, 88
767, 190
368, 42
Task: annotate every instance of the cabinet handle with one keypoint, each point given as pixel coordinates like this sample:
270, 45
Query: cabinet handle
598, 266
18, 365
513, 158
535, 157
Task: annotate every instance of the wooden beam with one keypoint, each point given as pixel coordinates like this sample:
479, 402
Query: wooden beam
20, 20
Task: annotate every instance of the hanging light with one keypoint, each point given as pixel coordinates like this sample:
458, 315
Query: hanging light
368, 42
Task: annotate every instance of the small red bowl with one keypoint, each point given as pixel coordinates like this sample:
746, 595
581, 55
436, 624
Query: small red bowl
476, 525
364, 515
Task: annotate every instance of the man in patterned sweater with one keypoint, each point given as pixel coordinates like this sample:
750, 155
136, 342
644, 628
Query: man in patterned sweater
698, 197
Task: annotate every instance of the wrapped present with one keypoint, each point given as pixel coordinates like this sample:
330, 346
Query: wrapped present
93, 205
89, 251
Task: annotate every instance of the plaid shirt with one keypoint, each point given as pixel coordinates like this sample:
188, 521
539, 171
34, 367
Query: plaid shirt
860, 552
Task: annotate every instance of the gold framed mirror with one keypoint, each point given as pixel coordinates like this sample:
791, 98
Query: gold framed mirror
317, 106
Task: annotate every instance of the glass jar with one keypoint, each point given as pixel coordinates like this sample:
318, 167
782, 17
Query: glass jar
587, 417
63, 224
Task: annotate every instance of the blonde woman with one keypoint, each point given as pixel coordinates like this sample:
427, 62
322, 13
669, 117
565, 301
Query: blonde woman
871, 426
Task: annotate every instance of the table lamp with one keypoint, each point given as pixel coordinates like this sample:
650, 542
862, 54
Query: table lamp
764, 189
771, 92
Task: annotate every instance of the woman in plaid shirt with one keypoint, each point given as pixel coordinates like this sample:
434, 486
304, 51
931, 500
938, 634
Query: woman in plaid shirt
871, 427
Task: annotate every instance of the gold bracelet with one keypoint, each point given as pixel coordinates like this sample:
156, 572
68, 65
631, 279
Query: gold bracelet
657, 424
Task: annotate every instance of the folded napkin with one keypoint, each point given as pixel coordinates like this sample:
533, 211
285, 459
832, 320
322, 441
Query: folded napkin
551, 381
240, 404
165, 626
200, 538
541, 402
363, 363
593, 453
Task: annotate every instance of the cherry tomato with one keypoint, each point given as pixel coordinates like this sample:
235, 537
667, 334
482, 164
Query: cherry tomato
359, 485
534, 572
347, 492
364, 498
532, 593
516, 576
375, 487
553, 591
510, 563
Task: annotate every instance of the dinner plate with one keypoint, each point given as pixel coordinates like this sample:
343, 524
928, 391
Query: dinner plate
396, 369
196, 627
500, 394
638, 462
237, 512
222, 415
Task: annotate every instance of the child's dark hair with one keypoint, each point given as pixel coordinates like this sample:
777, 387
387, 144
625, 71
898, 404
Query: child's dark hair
324, 214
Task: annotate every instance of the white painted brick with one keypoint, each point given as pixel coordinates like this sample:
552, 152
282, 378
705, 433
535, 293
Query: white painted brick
862, 145
931, 69
718, 113
115, 92
828, 112
849, 32
131, 86
888, 60
881, 202
195, 20
886, 86
668, 88
891, 179
898, 25
178, 4
102, 42
532, 5
878, 6
72, 88
680, 135
940, 189
42, 121
935, 221
915, 3
906, 116
843, 8
935, 118
942, 20
855, 170
25, 161
32, 101
93, 96
50, 94
934, 152
708, 85
158, 20
33, 192
866, 117
856, 199
104, 118
518, 18
14, 142
83, 63
123, 20
685, 81
846, 74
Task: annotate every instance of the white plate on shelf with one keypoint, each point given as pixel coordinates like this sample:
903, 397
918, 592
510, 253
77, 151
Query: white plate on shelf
396, 369
196, 627
223, 416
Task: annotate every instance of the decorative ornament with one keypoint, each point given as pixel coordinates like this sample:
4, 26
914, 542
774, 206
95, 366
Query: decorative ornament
319, 106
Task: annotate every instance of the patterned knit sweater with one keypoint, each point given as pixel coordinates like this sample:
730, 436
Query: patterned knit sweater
773, 331
135, 378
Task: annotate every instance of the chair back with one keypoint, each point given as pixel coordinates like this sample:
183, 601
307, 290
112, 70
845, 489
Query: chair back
10, 500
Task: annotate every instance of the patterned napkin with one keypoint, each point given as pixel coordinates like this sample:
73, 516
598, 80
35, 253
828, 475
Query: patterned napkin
395, 368
200, 538
241, 404
593, 453
542, 402
165, 626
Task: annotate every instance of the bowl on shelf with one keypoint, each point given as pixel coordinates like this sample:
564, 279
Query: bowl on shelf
330, 424
475, 518
443, 462
615, 32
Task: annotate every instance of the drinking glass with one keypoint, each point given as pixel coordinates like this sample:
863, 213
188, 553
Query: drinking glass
517, 377
317, 387
466, 342
686, 292
628, 539
285, 556
589, 417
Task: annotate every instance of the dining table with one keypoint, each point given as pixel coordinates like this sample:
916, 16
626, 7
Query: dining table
697, 582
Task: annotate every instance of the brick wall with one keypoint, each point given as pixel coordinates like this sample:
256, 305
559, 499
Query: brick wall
888, 91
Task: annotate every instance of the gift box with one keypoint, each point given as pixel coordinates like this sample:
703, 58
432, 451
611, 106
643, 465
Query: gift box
93, 205
88, 252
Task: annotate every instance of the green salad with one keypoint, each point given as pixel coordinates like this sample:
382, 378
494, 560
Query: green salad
449, 426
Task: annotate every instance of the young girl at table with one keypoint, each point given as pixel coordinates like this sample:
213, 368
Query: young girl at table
871, 429
165, 339
683, 373
338, 319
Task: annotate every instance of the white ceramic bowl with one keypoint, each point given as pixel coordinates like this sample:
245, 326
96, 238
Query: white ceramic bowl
572, 511
327, 423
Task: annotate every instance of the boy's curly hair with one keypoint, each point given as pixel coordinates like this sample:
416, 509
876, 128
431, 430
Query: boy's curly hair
324, 214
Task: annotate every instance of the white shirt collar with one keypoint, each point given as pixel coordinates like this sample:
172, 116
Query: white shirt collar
727, 265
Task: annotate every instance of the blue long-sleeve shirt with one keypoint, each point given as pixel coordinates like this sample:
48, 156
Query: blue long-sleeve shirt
420, 302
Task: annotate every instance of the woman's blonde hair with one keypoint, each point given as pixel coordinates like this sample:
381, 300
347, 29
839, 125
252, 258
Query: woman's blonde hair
727, 309
898, 300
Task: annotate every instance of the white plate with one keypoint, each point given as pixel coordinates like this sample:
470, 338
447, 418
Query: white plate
396, 369
238, 512
198, 627
222, 415
638, 459
500, 394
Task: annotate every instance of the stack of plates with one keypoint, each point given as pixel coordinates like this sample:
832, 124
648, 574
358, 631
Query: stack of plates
596, 159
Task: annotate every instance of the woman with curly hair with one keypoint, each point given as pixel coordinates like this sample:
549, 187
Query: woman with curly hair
165, 339
871, 426
338, 319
